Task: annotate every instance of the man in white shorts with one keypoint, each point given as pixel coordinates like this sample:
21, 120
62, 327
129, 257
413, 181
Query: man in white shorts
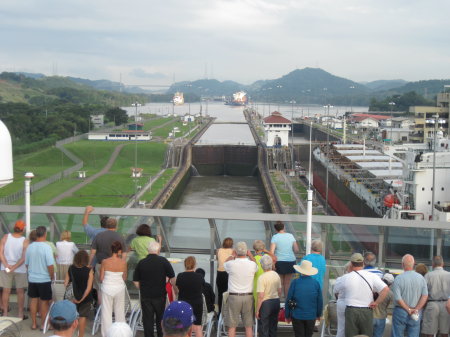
12, 256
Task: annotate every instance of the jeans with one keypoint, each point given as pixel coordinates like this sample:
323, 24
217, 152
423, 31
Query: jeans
402, 322
378, 327
268, 321
152, 312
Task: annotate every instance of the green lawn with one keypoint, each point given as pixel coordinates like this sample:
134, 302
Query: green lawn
164, 131
158, 185
150, 124
115, 188
43, 164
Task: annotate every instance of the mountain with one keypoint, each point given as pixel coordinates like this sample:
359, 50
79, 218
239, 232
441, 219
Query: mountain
207, 87
384, 84
309, 86
21, 88
427, 88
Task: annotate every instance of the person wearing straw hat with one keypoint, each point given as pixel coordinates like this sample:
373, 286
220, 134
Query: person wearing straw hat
304, 301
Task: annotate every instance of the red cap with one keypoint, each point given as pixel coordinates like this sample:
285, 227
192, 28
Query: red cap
19, 225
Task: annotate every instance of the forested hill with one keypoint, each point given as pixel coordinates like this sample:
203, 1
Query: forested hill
39, 111
19, 88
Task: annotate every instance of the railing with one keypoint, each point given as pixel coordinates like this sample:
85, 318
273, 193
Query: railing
200, 233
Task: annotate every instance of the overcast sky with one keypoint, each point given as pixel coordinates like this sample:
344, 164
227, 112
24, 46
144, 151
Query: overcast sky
156, 41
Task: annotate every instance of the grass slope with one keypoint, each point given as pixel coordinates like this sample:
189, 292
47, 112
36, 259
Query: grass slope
43, 164
116, 187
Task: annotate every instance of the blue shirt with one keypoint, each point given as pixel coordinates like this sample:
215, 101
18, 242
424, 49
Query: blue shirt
92, 232
306, 292
283, 249
374, 270
318, 261
38, 257
409, 287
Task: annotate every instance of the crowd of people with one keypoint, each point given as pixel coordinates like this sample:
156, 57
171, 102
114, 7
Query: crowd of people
267, 285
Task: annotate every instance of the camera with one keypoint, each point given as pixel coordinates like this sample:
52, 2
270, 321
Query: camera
291, 304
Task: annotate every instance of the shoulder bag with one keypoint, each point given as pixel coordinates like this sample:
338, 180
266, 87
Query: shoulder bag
374, 293
69, 293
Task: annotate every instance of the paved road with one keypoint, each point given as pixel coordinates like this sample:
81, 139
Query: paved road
104, 170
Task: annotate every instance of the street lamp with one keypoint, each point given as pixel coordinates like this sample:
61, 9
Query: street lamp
292, 132
391, 104
351, 98
28, 177
135, 154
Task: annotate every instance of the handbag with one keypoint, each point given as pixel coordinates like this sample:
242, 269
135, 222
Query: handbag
69, 293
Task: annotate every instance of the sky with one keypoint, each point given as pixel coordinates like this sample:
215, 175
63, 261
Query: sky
150, 42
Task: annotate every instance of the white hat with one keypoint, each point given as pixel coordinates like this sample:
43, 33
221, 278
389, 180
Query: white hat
389, 278
306, 268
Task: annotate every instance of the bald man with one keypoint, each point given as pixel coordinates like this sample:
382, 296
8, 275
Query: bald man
410, 295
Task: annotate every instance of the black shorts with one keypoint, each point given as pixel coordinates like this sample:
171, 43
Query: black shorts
84, 308
41, 290
285, 267
197, 308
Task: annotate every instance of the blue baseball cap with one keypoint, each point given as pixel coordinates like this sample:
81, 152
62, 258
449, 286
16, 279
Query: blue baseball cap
181, 313
63, 312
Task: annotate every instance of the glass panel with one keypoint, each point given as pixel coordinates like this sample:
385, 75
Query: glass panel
446, 246
247, 231
187, 232
414, 241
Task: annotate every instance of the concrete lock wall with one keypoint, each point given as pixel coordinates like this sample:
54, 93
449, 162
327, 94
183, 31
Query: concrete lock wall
234, 160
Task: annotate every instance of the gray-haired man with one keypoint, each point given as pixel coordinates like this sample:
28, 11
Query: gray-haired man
241, 268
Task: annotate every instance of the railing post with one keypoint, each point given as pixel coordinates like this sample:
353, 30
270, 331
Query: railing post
214, 242
160, 228
381, 255
439, 242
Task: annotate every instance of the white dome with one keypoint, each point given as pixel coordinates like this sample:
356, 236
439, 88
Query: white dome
6, 168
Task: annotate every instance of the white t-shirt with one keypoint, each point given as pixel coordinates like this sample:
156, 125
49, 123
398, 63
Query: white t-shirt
241, 272
357, 291
65, 251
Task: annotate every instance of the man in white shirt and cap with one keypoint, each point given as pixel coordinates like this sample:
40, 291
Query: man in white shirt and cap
359, 286
241, 268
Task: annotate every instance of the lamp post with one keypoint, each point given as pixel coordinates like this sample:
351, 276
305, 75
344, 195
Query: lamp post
351, 98
309, 198
435, 121
328, 106
292, 132
135, 154
28, 177
391, 104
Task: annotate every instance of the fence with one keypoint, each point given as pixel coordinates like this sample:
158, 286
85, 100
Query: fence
9, 199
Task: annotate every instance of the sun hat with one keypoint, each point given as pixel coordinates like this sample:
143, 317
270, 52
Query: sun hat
182, 314
306, 268
119, 329
357, 257
63, 312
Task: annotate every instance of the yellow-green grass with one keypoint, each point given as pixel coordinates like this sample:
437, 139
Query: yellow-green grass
115, 188
150, 124
43, 164
164, 131
158, 185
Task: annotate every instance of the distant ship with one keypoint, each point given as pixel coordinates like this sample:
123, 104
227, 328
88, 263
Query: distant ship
178, 98
239, 99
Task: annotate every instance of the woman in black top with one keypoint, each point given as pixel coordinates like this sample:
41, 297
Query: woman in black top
189, 286
83, 278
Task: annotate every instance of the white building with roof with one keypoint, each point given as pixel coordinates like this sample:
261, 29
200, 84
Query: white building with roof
277, 129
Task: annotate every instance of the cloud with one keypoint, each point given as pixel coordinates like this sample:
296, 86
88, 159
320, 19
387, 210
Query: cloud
141, 73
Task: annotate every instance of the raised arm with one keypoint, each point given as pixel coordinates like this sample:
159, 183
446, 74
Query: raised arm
88, 210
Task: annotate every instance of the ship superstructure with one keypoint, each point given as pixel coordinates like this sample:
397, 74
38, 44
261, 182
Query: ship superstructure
178, 98
239, 99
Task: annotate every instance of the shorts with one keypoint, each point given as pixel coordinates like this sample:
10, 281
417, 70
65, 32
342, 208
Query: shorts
6, 280
84, 308
197, 308
240, 306
285, 267
435, 318
42, 290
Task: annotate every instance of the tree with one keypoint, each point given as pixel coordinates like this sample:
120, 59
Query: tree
117, 115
